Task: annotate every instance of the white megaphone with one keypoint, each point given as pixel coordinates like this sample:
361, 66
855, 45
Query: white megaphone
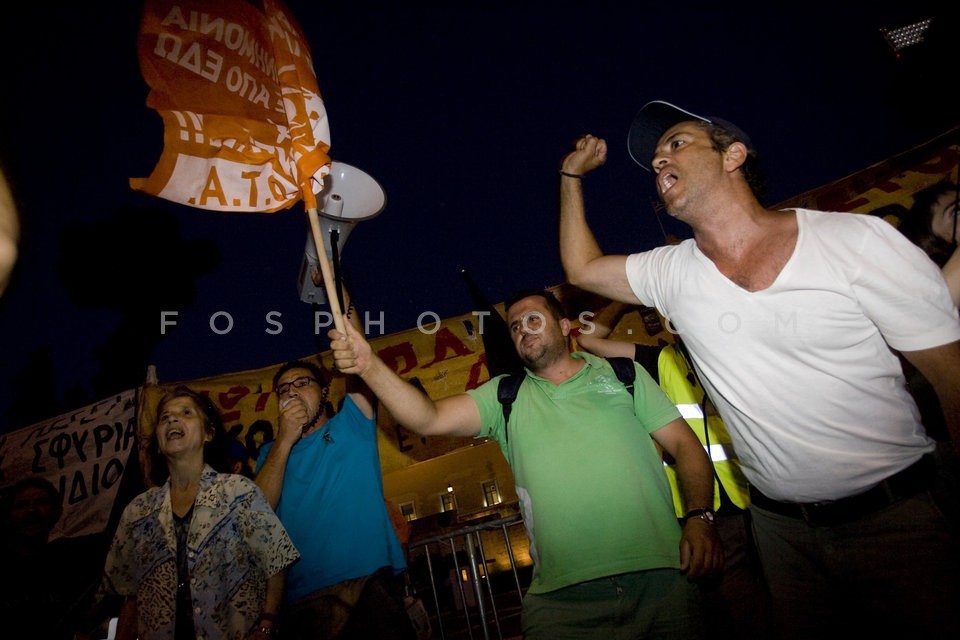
349, 195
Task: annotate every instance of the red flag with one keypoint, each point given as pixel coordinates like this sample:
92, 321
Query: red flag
245, 128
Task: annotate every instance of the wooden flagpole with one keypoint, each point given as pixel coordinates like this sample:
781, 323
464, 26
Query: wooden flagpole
332, 297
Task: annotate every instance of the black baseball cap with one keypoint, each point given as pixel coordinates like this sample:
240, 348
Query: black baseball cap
655, 117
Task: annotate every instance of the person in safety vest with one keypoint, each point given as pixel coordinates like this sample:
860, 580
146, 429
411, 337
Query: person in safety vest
736, 601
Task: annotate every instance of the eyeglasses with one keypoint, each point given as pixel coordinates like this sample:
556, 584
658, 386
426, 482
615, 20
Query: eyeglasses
299, 383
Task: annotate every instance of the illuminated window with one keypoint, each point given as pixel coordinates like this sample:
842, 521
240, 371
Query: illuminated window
409, 511
491, 494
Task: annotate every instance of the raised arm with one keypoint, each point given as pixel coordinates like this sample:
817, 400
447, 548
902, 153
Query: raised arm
453, 416
360, 393
583, 261
270, 476
594, 336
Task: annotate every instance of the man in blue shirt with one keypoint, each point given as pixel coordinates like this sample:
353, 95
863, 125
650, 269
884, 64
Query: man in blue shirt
322, 476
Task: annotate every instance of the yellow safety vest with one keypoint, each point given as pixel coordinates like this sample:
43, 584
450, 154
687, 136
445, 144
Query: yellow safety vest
681, 385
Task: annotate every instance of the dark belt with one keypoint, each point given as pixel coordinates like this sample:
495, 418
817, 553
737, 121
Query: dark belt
901, 485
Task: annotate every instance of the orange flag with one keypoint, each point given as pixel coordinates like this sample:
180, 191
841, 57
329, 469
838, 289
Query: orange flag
245, 128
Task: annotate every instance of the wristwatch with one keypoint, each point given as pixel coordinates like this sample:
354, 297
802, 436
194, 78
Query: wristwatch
705, 514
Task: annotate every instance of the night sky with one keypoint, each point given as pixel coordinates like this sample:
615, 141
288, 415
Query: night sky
461, 111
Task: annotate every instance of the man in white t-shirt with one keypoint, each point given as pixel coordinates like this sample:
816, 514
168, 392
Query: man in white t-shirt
791, 317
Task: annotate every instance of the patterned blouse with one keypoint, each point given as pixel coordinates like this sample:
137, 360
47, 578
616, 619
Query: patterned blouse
235, 543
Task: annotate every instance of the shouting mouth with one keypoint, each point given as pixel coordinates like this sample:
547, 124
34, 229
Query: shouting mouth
665, 182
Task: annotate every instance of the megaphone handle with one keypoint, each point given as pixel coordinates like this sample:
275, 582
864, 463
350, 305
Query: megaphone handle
337, 269
332, 298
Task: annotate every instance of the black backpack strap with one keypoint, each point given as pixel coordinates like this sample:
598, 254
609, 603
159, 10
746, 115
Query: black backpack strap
648, 357
506, 393
625, 371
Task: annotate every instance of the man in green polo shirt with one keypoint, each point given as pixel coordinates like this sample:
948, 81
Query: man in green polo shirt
609, 553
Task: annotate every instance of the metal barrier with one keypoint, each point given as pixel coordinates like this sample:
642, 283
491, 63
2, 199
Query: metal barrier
472, 542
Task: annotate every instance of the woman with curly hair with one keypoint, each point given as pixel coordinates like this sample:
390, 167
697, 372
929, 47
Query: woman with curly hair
202, 554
